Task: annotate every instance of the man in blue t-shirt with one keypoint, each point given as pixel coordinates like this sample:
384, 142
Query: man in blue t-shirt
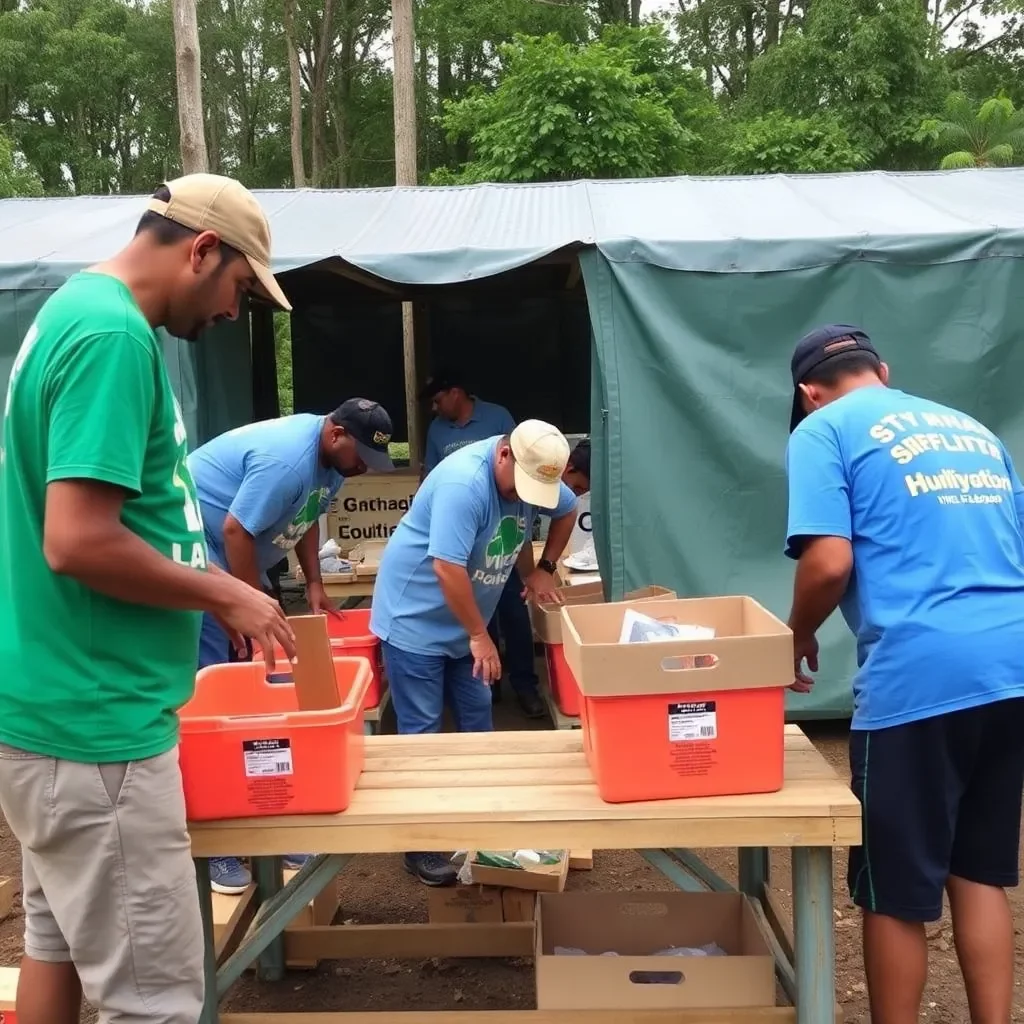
444, 570
262, 489
907, 515
460, 418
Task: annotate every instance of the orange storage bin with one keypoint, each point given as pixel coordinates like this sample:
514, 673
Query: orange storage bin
247, 750
682, 718
563, 683
350, 637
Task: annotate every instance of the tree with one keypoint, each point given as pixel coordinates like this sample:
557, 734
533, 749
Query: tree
16, 178
991, 135
188, 72
789, 145
562, 111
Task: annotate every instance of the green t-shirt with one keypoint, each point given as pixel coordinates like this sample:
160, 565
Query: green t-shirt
83, 676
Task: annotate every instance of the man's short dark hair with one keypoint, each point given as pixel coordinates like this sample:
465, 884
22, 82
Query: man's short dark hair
846, 364
579, 458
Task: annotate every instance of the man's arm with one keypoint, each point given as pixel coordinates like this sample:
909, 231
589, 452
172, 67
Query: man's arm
307, 551
822, 576
266, 491
563, 519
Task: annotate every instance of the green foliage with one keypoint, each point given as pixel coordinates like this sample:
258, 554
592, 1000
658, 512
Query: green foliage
564, 111
16, 177
789, 145
991, 135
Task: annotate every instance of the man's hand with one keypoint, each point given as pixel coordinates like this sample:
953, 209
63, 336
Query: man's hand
316, 598
541, 587
486, 663
804, 649
245, 610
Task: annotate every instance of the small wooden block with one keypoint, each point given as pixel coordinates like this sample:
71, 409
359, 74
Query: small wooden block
316, 686
8, 987
581, 860
7, 887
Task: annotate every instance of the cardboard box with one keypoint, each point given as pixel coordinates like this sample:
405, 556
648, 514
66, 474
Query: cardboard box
543, 878
752, 649
465, 904
369, 507
637, 924
7, 888
547, 618
518, 905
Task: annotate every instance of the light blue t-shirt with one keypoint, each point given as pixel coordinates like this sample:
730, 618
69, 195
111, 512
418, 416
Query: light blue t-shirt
457, 516
445, 437
269, 476
933, 508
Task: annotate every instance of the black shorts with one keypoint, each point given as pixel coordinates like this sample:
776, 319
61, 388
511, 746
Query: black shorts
939, 797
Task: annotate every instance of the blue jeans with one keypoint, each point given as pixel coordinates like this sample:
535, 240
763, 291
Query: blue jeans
512, 621
421, 685
215, 647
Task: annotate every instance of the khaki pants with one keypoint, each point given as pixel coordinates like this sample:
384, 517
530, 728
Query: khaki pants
109, 882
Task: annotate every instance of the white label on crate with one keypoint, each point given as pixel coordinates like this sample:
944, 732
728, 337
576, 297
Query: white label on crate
264, 758
692, 722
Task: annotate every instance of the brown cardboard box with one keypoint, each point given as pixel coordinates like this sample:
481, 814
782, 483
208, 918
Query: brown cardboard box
518, 905
547, 618
465, 904
369, 507
543, 878
751, 648
637, 924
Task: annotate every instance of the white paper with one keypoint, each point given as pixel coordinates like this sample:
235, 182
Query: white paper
642, 629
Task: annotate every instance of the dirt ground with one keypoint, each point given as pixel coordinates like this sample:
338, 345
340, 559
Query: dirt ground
374, 889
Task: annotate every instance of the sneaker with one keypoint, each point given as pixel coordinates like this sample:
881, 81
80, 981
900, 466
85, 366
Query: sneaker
531, 704
295, 861
229, 876
433, 869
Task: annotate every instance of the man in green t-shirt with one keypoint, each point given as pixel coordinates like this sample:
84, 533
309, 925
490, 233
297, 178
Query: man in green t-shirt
103, 580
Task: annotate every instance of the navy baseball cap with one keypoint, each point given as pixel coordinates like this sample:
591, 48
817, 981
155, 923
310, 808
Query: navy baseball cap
370, 427
822, 344
442, 380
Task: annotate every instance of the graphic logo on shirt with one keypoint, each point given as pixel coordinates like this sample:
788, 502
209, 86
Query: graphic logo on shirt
302, 520
501, 552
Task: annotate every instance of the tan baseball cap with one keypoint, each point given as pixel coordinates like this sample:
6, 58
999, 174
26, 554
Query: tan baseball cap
211, 202
541, 453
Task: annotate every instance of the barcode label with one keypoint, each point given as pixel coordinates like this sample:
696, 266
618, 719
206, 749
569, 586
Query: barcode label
692, 722
267, 757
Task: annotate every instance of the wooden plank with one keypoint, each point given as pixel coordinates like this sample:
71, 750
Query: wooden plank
412, 941
242, 911
8, 988
772, 1015
315, 685
581, 860
576, 775
7, 890
777, 920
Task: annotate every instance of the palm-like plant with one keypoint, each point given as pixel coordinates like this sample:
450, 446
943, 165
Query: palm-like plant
991, 136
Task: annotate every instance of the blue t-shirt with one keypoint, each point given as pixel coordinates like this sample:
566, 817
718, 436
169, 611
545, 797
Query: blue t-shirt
269, 476
457, 516
931, 503
445, 437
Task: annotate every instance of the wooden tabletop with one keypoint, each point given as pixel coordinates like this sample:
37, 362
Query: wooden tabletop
511, 790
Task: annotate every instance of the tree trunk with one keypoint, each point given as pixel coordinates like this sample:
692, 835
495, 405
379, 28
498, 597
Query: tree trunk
295, 83
190, 86
321, 74
404, 49
634, 13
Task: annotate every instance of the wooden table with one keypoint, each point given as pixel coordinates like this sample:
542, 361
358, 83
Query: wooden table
527, 789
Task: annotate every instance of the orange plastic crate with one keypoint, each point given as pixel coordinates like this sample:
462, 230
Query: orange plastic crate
682, 718
247, 750
350, 637
563, 683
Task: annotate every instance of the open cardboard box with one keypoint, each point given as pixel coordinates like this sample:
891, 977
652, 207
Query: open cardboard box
547, 618
542, 878
752, 649
637, 924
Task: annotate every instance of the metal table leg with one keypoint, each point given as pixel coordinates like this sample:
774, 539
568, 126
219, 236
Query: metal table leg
815, 936
209, 1014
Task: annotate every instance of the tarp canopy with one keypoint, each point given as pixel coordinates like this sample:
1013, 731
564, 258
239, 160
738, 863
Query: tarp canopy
697, 289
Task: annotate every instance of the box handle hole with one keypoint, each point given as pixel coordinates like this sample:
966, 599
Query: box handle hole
688, 662
656, 977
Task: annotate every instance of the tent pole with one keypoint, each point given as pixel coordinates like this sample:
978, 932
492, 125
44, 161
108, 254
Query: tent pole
412, 406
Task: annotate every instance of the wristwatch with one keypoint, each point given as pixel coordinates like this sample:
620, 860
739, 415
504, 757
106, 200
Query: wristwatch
547, 565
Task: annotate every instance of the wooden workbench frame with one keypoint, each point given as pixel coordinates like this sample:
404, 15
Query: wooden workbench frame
403, 803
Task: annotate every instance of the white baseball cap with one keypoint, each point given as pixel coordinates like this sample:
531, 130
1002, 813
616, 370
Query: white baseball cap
541, 453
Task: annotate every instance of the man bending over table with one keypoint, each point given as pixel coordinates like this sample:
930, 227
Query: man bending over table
907, 515
262, 489
443, 572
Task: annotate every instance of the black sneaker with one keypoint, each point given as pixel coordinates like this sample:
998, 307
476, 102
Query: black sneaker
532, 705
433, 869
